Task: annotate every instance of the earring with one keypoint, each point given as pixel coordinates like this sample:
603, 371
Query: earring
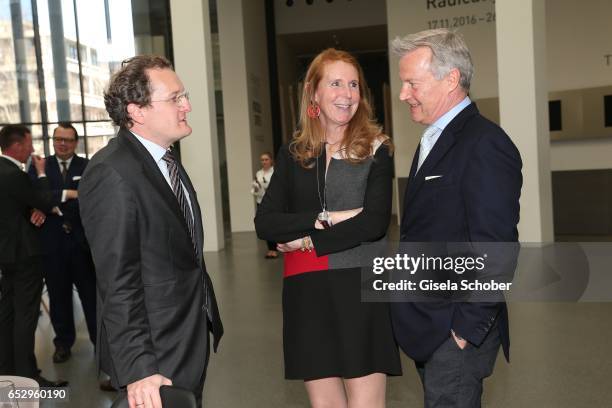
313, 110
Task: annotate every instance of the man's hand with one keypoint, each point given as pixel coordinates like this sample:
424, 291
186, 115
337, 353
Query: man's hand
72, 194
38, 217
39, 164
145, 393
461, 343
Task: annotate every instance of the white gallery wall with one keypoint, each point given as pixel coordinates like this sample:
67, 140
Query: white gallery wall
578, 37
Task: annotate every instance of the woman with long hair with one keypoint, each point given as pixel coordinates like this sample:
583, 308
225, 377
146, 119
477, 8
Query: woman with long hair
330, 192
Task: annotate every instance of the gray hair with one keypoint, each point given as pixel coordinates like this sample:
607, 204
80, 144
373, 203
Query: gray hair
448, 51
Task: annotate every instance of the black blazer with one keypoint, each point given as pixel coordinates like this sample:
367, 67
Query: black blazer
18, 237
51, 230
290, 206
475, 200
150, 282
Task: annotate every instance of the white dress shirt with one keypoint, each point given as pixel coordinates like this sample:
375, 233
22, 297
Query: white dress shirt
17, 162
445, 119
157, 152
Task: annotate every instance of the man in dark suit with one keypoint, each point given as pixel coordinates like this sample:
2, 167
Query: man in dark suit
156, 303
464, 186
21, 210
67, 260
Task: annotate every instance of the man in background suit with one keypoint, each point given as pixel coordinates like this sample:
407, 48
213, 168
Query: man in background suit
67, 260
464, 186
156, 303
21, 278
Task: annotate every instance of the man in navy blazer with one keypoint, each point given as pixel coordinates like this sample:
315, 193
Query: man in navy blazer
464, 186
68, 260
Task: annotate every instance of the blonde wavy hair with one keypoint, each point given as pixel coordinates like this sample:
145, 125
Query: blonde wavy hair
362, 130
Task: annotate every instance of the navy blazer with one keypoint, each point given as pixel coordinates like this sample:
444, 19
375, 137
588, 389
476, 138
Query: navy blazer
51, 230
475, 200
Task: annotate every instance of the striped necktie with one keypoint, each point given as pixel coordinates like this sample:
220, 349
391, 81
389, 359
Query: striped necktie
177, 189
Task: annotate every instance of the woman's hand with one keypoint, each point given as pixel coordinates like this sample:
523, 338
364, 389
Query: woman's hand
339, 216
290, 246
303, 244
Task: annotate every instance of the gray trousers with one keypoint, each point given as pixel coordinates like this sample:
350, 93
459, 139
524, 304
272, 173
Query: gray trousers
452, 378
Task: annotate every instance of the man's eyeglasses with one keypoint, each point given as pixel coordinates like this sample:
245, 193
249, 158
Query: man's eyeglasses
64, 140
179, 99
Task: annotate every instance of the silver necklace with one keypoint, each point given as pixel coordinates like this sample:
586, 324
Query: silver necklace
323, 202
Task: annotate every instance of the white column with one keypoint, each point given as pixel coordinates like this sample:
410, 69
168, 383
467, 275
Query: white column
199, 152
406, 133
523, 108
236, 113
246, 101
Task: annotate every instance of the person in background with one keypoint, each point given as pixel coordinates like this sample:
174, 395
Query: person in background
67, 259
258, 189
22, 209
331, 191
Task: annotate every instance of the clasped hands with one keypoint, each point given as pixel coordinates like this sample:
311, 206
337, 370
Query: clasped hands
336, 217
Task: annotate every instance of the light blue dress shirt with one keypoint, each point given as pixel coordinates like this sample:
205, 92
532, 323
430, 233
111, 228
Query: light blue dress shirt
445, 119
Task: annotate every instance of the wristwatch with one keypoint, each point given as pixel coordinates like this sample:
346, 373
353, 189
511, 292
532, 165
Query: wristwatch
324, 219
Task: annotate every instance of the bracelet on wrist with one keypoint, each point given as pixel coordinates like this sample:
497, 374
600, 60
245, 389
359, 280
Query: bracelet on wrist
306, 244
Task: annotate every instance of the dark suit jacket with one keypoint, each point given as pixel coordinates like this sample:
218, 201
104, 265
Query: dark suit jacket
476, 200
18, 237
51, 230
150, 282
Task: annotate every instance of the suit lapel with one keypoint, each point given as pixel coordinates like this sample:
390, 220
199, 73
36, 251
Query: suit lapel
154, 175
413, 168
151, 171
76, 167
73, 170
195, 209
53, 171
446, 140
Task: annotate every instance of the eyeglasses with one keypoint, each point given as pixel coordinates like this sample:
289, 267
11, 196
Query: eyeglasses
179, 99
64, 140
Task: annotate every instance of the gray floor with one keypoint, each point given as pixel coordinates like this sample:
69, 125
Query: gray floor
560, 352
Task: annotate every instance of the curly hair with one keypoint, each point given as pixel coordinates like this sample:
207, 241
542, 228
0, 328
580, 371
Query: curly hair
131, 85
362, 130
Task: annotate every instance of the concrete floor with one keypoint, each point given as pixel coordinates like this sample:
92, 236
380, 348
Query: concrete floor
559, 351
